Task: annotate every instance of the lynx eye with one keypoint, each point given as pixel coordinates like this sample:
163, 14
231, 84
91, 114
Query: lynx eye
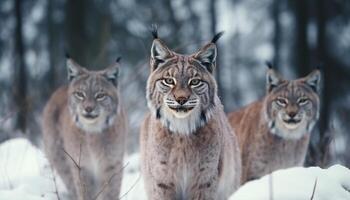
282, 102
169, 81
79, 95
100, 96
302, 101
194, 82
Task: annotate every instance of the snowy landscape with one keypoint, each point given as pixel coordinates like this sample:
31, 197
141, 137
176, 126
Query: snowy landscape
297, 36
26, 174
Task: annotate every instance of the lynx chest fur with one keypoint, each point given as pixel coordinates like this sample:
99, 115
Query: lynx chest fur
274, 133
84, 131
187, 149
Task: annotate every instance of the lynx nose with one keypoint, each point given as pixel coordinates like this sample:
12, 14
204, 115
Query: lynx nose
181, 100
292, 114
88, 109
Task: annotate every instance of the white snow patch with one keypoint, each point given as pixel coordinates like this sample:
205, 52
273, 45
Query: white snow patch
298, 183
26, 174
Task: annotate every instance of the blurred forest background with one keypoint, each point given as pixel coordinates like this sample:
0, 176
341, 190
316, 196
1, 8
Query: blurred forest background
296, 35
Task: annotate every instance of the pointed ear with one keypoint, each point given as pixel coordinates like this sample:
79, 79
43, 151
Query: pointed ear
207, 56
314, 80
73, 69
112, 72
273, 79
159, 53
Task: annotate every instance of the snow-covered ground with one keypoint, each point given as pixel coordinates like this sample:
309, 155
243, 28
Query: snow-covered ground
298, 184
26, 175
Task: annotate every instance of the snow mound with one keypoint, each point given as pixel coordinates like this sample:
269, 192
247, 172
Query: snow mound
298, 184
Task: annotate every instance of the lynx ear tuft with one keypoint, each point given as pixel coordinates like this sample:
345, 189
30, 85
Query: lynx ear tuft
67, 55
269, 64
154, 31
217, 37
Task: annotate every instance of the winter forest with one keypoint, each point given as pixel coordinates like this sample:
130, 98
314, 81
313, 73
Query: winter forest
296, 36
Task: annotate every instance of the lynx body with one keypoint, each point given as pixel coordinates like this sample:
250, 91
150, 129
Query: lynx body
84, 131
187, 149
274, 133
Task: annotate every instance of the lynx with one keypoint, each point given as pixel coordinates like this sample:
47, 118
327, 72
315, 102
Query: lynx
84, 131
187, 149
274, 132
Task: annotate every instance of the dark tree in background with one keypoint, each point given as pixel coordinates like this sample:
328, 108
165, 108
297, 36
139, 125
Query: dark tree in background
20, 77
87, 32
276, 6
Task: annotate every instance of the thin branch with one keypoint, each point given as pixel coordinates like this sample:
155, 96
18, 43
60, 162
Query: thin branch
313, 191
75, 163
109, 181
126, 193
55, 182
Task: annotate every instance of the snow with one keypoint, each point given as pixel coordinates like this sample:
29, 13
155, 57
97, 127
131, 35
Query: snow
23, 174
26, 174
297, 184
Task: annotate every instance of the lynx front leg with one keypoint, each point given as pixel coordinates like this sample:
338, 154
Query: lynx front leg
84, 183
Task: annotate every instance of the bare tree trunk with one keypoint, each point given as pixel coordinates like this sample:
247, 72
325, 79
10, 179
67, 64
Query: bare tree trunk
322, 152
20, 81
76, 34
86, 45
52, 46
277, 32
195, 23
174, 23
301, 48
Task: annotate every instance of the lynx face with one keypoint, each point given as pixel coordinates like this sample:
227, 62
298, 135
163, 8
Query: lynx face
292, 107
181, 88
92, 97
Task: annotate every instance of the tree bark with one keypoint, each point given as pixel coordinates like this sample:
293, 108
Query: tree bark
76, 34
20, 81
52, 46
322, 56
277, 32
85, 44
301, 47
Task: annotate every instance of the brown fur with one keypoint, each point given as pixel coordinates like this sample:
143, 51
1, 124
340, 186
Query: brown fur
263, 148
99, 155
